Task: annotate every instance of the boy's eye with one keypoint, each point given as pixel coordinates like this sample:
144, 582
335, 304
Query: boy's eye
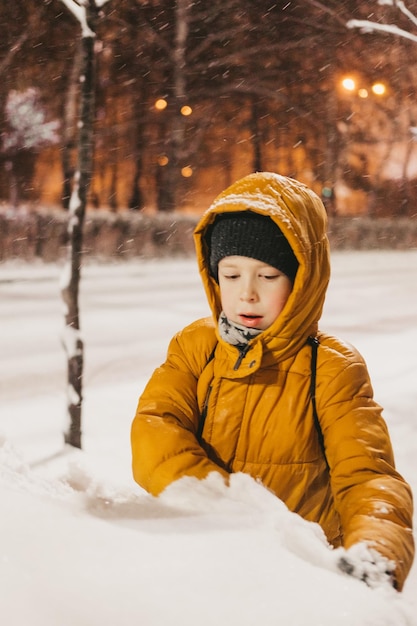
270, 276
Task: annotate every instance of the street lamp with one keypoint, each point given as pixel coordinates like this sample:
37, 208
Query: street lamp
349, 83
379, 89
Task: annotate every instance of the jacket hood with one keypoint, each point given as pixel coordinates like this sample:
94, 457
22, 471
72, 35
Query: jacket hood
302, 218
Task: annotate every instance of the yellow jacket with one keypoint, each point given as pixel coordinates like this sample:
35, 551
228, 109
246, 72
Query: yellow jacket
259, 416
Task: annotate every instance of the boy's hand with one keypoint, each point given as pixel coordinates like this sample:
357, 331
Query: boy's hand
367, 565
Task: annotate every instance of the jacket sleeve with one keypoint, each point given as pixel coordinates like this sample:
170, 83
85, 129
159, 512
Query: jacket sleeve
163, 435
373, 500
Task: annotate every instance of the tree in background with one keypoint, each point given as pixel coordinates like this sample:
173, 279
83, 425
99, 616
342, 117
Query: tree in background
397, 20
69, 126
86, 14
27, 130
35, 53
259, 85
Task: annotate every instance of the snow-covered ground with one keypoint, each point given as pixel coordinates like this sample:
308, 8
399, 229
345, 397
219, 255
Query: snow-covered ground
82, 545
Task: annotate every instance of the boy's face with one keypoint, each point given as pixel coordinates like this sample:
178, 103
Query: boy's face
252, 293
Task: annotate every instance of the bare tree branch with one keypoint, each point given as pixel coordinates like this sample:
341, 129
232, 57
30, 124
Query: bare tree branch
334, 13
13, 51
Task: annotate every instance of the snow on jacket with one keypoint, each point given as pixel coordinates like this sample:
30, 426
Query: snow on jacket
258, 412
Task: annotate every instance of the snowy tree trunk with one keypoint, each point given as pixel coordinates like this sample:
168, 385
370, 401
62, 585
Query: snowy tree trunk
69, 128
73, 342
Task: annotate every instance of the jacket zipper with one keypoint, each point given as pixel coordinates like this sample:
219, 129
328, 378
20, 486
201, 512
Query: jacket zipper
242, 353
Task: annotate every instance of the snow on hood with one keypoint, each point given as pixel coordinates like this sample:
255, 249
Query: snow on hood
302, 218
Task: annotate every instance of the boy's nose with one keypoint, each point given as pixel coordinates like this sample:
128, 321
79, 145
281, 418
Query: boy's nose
248, 293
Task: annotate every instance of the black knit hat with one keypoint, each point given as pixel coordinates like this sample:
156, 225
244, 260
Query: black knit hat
253, 235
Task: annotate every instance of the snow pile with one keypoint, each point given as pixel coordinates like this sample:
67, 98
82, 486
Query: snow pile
80, 552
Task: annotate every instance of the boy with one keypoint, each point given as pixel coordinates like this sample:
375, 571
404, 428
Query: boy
258, 389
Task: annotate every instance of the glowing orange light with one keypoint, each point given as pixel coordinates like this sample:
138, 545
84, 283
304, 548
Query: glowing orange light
163, 160
186, 110
378, 89
348, 84
160, 104
187, 171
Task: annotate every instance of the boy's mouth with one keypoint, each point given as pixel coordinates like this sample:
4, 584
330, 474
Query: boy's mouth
250, 320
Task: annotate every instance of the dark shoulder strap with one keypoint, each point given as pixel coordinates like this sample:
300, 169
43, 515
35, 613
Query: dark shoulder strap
314, 343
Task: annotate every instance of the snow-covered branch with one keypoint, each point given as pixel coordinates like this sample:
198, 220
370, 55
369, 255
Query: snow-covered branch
80, 14
367, 26
399, 4
79, 11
